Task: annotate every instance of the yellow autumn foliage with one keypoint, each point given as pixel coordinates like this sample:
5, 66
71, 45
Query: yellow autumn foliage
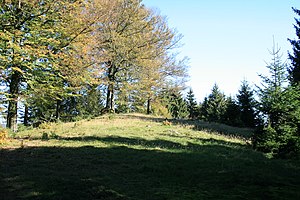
3, 135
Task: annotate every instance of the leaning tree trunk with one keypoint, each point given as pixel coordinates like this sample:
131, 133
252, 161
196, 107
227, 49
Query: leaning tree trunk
12, 113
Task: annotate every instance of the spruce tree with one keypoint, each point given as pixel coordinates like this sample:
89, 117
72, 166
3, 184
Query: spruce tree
247, 103
280, 106
272, 87
216, 105
294, 71
192, 105
232, 115
177, 106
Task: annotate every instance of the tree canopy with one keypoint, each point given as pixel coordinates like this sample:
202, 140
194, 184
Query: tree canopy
51, 51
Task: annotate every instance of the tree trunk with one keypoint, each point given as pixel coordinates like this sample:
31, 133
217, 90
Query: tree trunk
26, 117
57, 110
110, 88
12, 114
148, 106
110, 98
112, 101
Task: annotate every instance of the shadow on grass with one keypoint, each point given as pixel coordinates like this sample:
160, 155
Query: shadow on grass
208, 172
216, 127
164, 144
201, 126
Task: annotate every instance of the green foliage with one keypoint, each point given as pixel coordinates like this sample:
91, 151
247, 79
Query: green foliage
214, 107
133, 46
294, 70
89, 102
177, 106
37, 52
247, 105
192, 105
281, 108
232, 115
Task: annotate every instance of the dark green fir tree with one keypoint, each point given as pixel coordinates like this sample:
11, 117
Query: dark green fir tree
294, 70
247, 104
192, 105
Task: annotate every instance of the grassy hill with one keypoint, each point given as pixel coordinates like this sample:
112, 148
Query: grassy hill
141, 157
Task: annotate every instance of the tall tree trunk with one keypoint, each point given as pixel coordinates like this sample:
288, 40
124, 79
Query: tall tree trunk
26, 117
110, 88
110, 98
57, 110
149, 106
12, 114
112, 101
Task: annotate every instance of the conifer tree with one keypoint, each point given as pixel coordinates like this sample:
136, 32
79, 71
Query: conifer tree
216, 105
247, 104
232, 115
294, 71
272, 87
280, 105
178, 106
192, 105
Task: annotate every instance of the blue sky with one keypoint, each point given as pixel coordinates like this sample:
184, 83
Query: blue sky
227, 41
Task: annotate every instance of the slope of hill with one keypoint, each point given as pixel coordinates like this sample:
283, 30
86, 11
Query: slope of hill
141, 157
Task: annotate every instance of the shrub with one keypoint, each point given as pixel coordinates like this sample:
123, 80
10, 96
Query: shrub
45, 125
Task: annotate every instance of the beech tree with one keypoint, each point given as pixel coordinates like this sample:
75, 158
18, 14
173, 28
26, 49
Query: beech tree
36, 49
131, 41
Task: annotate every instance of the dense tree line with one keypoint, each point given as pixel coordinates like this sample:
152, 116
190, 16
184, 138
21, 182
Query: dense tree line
239, 111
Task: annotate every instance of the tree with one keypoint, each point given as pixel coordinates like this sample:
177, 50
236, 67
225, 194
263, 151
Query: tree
215, 105
272, 87
294, 71
232, 115
280, 105
177, 106
35, 46
133, 44
192, 105
204, 109
247, 104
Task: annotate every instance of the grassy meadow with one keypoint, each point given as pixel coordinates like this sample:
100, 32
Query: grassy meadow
131, 157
